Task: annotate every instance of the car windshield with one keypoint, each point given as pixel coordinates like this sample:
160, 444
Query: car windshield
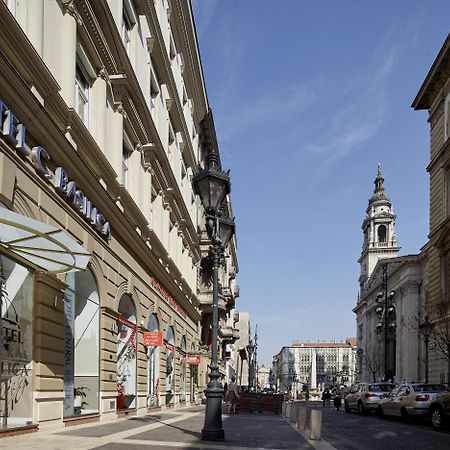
381, 387
428, 387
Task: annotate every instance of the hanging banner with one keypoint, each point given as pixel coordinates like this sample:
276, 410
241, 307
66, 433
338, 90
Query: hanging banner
194, 360
170, 347
154, 338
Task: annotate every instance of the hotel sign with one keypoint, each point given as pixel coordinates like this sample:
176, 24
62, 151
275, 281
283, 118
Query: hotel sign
14, 133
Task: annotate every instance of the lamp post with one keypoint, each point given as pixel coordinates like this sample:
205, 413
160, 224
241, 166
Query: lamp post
250, 351
212, 185
387, 318
426, 328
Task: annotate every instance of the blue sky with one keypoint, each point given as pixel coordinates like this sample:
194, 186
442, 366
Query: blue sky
308, 97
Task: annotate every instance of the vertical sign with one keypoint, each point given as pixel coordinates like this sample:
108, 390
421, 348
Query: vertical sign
68, 352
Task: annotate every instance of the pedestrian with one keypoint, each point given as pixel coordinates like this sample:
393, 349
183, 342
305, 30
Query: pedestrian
337, 401
232, 396
324, 397
225, 391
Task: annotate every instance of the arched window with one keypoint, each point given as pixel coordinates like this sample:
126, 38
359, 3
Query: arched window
126, 354
382, 233
183, 369
153, 366
82, 352
170, 366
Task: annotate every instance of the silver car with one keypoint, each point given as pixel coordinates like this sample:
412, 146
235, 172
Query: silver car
410, 400
365, 396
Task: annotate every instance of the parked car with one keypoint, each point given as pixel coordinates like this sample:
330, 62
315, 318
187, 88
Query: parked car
440, 411
365, 396
410, 400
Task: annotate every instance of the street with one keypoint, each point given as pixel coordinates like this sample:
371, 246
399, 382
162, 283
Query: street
354, 432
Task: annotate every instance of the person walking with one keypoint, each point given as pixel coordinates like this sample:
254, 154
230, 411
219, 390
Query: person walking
232, 396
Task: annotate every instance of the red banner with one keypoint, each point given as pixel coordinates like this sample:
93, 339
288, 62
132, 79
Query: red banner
154, 338
193, 360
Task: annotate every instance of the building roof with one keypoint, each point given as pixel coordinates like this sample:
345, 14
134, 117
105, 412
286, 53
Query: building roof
435, 79
347, 343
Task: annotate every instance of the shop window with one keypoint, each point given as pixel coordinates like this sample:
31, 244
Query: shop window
16, 354
170, 366
153, 366
126, 354
183, 369
81, 344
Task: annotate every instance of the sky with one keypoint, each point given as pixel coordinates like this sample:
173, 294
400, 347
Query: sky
308, 97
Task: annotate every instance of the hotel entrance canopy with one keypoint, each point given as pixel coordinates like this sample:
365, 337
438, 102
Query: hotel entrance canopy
40, 245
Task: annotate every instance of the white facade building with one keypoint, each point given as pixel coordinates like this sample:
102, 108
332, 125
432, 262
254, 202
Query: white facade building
315, 364
391, 301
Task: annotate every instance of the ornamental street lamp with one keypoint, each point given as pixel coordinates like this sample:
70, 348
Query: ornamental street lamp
387, 319
426, 328
212, 185
250, 350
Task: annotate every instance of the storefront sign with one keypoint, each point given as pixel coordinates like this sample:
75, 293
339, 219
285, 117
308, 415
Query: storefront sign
126, 322
194, 360
68, 352
156, 284
170, 347
154, 338
15, 134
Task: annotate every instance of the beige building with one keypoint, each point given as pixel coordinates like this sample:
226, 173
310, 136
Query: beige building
104, 120
392, 297
434, 96
315, 365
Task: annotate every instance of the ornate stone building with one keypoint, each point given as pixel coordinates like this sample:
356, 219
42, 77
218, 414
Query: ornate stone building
315, 364
434, 96
105, 118
392, 297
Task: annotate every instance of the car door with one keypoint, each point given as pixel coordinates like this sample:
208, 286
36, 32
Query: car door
389, 402
400, 400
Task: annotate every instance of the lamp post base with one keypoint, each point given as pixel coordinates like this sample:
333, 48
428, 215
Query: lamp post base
213, 429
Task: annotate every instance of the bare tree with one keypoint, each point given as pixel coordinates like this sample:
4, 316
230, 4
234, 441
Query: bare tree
372, 362
440, 333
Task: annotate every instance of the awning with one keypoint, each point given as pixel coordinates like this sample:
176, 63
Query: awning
43, 246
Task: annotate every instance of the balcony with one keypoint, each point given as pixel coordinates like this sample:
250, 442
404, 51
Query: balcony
229, 334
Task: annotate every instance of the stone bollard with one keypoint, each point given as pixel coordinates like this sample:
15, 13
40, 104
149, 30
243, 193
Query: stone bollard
294, 412
283, 408
301, 418
288, 410
315, 426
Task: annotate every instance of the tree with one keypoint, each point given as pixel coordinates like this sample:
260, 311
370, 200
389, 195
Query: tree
372, 362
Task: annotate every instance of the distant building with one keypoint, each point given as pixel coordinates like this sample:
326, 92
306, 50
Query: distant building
315, 364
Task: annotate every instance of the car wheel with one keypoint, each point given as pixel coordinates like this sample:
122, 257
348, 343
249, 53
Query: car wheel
380, 412
404, 415
437, 418
346, 407
361, 410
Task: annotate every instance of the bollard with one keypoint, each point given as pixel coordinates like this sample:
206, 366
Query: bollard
283, 408
301, 418
315, 426
288, 410
294, 412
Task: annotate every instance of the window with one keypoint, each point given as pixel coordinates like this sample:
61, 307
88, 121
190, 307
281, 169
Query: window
126, 152
12, 6
382, 233
82, 87
447, 117
154, 91
128, 21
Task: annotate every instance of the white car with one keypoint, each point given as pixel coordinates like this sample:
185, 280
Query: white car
410, 400
365, 396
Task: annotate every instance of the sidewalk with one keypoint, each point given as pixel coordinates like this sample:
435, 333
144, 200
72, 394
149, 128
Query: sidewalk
176, 429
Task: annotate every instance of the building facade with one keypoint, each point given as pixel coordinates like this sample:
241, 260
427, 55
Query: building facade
434, 96
102, 129
391, 301
315, 365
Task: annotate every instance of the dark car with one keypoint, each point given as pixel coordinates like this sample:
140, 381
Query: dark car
440, 411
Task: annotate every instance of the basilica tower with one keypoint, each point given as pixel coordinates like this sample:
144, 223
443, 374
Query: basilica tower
379, 231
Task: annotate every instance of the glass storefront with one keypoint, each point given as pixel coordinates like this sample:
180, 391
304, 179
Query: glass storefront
16, 344
126, 354
81, 344
170, 353
153, 366
183, 363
